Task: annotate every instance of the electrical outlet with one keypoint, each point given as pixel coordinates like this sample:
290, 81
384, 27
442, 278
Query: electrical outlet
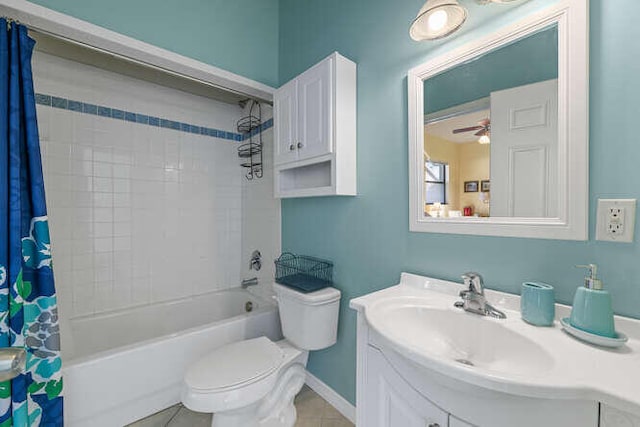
616, 220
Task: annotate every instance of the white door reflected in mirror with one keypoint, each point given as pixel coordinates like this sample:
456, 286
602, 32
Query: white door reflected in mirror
495, 153
524, 170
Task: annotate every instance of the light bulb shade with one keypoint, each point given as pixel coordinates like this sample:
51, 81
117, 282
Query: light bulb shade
484, 139
437, 19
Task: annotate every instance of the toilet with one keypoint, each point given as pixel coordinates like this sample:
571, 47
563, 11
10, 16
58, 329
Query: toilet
252, 383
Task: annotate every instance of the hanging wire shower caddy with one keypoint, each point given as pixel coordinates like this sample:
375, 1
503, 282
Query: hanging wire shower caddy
251, 150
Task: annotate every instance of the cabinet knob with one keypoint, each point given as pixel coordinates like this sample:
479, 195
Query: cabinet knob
292, 147
300, 145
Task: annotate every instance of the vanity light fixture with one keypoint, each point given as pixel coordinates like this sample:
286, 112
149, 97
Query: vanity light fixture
437, 19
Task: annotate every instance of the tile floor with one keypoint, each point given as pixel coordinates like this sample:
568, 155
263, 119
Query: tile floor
313, 411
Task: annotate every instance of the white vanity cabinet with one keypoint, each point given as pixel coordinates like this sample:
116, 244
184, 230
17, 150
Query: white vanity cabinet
394, 402
315, 131
612, 417
393, 392
422, 361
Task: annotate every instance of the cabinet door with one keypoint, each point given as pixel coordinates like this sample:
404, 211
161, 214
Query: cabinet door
391, 402
285, 116
611, 417
315, 135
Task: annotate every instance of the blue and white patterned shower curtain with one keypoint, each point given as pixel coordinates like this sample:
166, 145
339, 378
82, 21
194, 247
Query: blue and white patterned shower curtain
28, 309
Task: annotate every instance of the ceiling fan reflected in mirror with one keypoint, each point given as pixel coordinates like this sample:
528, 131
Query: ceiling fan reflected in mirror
483, 129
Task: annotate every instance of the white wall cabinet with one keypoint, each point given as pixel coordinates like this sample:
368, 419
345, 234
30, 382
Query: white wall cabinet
315, 131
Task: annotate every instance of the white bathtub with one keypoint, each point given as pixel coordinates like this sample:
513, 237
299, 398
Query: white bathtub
125, 365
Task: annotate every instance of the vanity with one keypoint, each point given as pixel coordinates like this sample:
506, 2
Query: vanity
422, 361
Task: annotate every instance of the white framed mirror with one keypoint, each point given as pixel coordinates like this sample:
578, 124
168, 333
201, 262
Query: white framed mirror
498, 131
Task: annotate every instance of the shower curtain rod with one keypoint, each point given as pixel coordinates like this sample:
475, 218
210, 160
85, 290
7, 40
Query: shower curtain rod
143, 63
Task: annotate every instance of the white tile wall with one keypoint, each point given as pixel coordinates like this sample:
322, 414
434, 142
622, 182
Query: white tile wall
141, 214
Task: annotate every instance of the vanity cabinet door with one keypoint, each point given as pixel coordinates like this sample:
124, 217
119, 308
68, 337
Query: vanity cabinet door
392, 402
314, 111
611, 417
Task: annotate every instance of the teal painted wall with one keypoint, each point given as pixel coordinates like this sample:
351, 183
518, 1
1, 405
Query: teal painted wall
530, 60
240, 36
367, 236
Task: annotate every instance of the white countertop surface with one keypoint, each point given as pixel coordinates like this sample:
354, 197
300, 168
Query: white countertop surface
578, 370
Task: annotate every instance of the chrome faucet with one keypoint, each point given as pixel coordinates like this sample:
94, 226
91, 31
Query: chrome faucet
249, 282
473, 299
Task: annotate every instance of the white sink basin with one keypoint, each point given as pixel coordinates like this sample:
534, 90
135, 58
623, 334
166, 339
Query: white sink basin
416, 321
454, 336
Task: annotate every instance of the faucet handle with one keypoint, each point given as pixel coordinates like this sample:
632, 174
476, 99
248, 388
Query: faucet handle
473, 281
256, 261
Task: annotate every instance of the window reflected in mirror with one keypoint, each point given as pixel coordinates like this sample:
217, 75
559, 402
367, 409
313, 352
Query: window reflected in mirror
491, 133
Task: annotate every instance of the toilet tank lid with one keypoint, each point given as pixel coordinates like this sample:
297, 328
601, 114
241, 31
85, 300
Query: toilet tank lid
235, 364
323, 296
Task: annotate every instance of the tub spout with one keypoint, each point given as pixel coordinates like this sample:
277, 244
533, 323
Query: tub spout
249, 282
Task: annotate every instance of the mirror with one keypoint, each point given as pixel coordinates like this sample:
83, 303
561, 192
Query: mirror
491, 133
498, 131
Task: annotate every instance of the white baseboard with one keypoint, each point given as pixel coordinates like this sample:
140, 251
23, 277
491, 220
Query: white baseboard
341, 404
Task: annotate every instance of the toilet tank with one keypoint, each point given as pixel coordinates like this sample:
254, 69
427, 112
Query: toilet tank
309, 321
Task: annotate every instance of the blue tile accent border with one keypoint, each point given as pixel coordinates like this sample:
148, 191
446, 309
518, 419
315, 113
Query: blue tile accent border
57, 102
74, 106
43, 99
143, 119
104, 111
117, 114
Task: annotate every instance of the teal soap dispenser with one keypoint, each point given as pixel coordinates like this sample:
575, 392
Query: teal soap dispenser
592, 311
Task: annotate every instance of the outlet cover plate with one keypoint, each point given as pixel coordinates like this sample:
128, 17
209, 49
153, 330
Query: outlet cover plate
629, 218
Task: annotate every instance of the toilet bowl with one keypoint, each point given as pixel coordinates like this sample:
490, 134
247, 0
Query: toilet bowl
252, 383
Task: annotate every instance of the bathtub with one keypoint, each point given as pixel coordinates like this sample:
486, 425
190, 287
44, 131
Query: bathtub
122, 366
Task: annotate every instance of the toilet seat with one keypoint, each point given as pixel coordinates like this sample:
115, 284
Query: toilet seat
235, 365
234, 376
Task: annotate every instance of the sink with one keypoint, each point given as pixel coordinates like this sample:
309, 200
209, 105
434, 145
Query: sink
429, 342
432, 328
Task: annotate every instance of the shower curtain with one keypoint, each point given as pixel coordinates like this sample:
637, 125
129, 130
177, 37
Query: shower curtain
28, 309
